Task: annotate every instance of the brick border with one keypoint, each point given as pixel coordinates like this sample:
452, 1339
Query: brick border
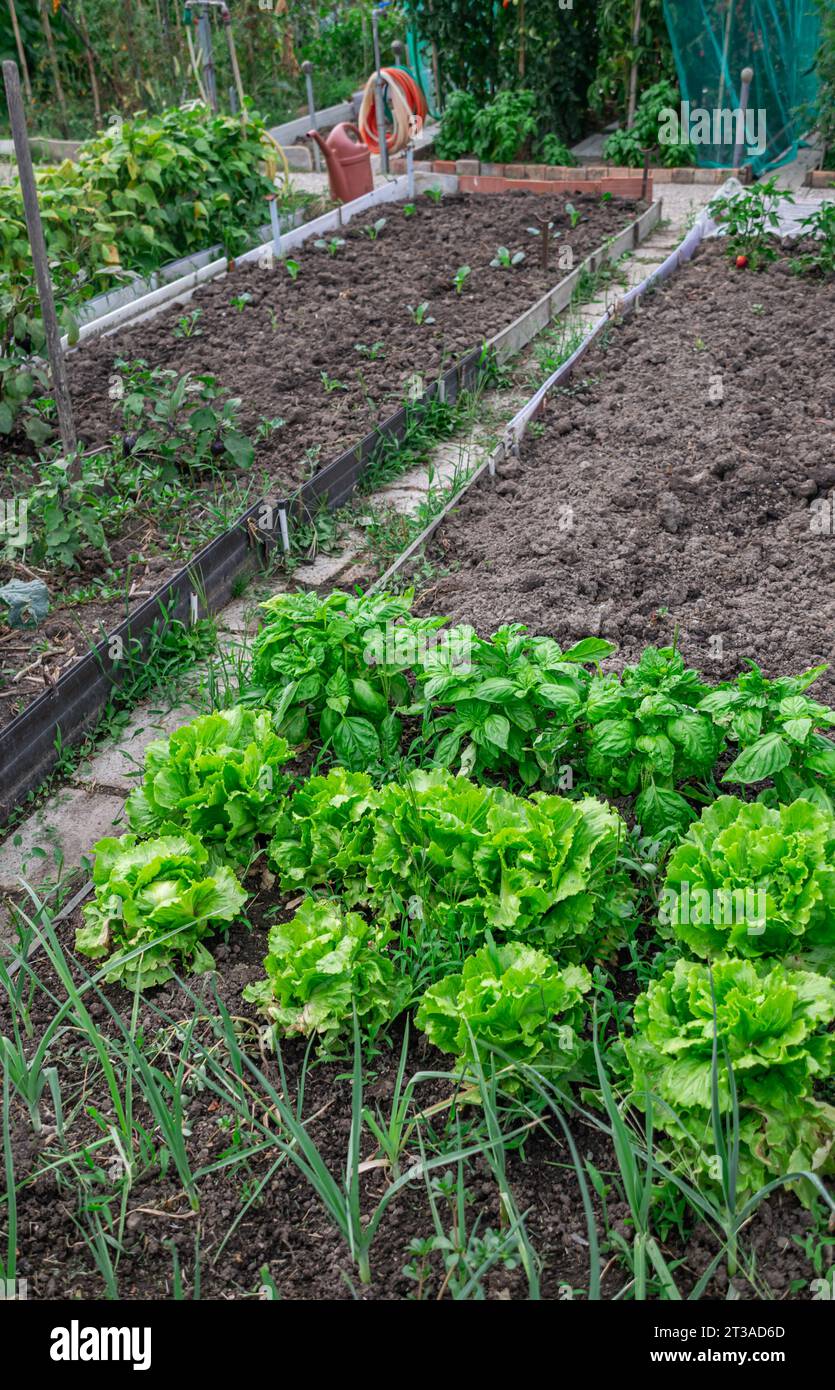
820, 178
583, 177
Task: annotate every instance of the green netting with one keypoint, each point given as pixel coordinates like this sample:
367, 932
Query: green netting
420, 65
713, 40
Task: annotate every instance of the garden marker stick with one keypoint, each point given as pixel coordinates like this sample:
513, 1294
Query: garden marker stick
307, 69
29, 193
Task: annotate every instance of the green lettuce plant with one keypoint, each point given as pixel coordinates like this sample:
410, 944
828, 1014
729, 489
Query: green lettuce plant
513, 999
323, 965
771, 1024
775, 725
647, 737
511, 709
324, 834
162, 896
336, 665
219, 776
755, 881
464, 860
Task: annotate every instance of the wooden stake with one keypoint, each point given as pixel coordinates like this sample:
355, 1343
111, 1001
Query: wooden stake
53, 62
633, 74
21, 51
91, 66
29, 193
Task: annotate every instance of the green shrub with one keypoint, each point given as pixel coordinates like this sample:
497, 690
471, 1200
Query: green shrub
146, 890
338, 663
503, 127
554, 151
775, 725
142, 192
772, 1022
648, 737
626, 147
755, 882
323, 965
219, 776
513, 999
455, 137
511, 709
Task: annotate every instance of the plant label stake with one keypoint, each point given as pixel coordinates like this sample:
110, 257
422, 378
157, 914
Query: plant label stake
545, 230
410, 171
285, 532
29, 193
275, 224
307, 69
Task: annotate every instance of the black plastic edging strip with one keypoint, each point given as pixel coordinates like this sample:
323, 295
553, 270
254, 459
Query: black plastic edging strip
28, 745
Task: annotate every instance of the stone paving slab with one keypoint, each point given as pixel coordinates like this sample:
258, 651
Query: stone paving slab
58, 836
118, 764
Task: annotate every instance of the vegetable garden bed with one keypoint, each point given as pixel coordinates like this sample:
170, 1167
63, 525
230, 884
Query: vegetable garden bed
462, 866
228, 333
680, 482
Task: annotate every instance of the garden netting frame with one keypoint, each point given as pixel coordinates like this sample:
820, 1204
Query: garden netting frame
713, 40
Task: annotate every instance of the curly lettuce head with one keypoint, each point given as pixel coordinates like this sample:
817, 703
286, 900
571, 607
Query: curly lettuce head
218, 776
162, 896
755, 881
510, 999
771, 1023
322, 966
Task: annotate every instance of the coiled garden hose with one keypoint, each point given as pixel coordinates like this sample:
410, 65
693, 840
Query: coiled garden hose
407, 107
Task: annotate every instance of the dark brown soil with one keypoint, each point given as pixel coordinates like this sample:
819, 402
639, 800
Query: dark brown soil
287, 1229
360, 295
276, 354
643, 507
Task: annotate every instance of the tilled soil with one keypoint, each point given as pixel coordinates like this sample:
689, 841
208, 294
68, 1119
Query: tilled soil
279, 354
275, 352
681, 483
286, 1229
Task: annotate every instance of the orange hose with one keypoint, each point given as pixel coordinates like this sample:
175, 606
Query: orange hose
408, 106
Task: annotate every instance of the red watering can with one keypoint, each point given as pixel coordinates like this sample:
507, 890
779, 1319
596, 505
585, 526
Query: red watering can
348, 161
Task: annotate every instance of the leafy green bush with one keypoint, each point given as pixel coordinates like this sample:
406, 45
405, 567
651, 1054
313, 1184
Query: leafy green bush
626, 147
218, 776
553, 150
511, 709
145, 891
455, 136
338, 662
322, 965
773, 1023
503, 127
775, 726
511, 998
324, 834
141, 193
647, 736
754, 881
751, 219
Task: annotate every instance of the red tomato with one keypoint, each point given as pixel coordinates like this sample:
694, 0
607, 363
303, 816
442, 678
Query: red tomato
741, 262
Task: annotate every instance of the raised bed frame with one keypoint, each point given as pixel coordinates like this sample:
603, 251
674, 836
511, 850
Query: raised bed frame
28, 750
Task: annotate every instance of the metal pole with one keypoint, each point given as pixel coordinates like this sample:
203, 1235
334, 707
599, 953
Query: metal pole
410, 170
378, 93
204, 34
397, 51
747, 76
29, 193
307, 69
